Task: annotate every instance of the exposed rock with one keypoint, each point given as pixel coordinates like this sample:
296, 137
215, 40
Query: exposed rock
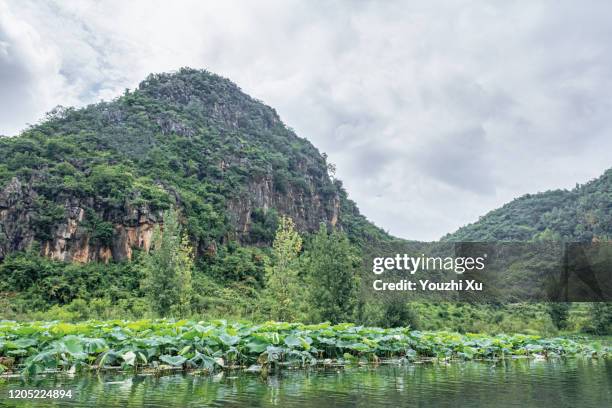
133, 226
71, 240
306, 208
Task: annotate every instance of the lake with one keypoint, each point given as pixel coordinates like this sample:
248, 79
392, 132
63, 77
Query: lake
519, 383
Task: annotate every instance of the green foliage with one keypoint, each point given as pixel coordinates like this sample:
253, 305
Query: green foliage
398, 313
47, 214
601, 318
193, 140
235, 263
39, 283
217, 344
101, 232
263, 225
111, 182
5, 174
168, 267
332, 264
559, 313
282, 275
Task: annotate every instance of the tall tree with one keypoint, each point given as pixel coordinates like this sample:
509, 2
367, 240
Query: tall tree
601, 318
559, 313
334, 284
168, 268
282, 274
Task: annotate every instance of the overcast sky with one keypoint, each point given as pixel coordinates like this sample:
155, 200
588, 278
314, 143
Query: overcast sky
433, 113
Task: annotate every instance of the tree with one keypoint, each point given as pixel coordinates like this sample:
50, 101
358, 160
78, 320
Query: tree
283, 284
168, 267
332, 271
559, 313
398, 313
601, 318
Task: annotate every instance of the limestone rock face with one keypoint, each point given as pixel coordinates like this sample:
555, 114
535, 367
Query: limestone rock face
14, 232
307, 208
70, 238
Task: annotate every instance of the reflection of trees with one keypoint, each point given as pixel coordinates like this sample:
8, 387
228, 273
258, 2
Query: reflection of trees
573, 382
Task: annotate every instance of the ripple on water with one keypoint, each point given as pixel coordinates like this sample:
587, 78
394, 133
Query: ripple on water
520, 383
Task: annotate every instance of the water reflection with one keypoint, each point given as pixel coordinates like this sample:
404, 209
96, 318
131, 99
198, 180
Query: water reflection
523, 383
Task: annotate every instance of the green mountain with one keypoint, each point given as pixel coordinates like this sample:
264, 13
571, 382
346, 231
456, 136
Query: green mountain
90, 184
581, 214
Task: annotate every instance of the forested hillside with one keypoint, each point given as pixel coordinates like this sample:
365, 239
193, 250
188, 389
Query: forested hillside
91, 184
581, 214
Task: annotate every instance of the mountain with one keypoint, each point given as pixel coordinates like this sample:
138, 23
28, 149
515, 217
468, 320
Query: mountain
91, 184
581, 214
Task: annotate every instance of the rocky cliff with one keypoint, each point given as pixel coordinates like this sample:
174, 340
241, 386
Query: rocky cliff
70, 237
92, 183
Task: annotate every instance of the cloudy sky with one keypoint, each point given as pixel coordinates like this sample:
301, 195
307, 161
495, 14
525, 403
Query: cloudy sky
434, 113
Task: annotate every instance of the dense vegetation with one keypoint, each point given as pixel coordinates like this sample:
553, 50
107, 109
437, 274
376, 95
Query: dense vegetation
581, 214
163, 344
318, 284
285, 282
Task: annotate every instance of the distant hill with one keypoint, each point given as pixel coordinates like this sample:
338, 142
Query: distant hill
581, 214
90, 184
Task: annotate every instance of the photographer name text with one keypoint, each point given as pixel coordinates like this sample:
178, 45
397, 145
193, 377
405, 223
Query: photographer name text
413, 264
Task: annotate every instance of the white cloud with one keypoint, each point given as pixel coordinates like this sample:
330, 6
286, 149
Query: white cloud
434, 112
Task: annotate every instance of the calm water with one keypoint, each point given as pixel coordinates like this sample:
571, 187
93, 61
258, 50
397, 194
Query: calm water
573, 383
